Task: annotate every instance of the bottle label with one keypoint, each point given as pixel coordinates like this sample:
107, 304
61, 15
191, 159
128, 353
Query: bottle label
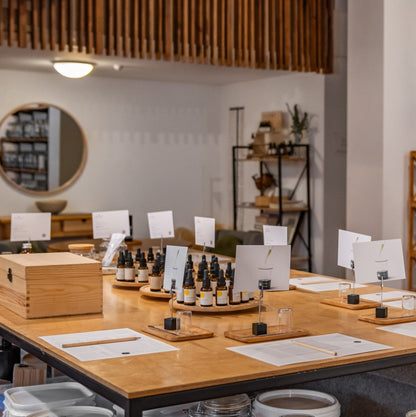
155, 282
150, 267
214, 285
179, 295
143, 275
198, 285
244, 297
120, 274
236, 297
206, 298
222, 298
129, 274
189, 295
227, 282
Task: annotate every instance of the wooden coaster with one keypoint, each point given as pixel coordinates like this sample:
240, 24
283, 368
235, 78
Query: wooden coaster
338, 302
246, 336
145, 290
217, 309
174, 336
394, 317
128, 284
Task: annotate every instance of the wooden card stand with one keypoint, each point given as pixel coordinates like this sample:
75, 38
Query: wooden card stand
145, 290
174, 336
338, 302
128, 284
246, 336
395, 317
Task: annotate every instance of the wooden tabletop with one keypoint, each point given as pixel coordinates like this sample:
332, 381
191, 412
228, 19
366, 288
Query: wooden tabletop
199, 363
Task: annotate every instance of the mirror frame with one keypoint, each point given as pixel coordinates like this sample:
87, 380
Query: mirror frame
77, 173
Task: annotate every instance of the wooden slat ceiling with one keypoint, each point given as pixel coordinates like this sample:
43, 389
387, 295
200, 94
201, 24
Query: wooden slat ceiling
294, 35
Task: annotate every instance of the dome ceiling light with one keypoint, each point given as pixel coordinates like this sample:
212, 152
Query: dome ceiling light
73, 69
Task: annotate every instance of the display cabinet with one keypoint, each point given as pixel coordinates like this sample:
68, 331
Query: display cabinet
288, 206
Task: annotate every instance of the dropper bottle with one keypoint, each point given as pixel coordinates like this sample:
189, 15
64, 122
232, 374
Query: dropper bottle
189, 293
221, 291
120, 267
206, 295
143, 271
129, 272
234, 297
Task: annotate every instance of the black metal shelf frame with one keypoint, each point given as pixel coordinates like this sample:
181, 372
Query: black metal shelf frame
283, 151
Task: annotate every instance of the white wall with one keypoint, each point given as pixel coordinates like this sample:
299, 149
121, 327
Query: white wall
151, 146
307, 90
381, 103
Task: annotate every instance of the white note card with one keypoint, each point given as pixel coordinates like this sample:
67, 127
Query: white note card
174, 266
30, 226
161, 224
105, 223
286, 352
274, 235
142, 346
205, 231
258, 262
374, 257
345, 241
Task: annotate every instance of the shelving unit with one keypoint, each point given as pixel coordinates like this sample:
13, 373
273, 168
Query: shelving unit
287, 154
24, 148
411, 249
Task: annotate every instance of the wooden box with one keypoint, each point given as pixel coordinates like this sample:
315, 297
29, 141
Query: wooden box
50, 284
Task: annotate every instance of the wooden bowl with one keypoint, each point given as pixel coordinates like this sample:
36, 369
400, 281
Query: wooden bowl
51, 206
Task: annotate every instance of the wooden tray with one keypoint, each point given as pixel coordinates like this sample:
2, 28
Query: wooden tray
145, 290
217, 309
394, 317
128, 284
337, 302
173, 336
246, 336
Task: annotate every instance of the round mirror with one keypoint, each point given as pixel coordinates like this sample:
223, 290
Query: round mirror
43, 149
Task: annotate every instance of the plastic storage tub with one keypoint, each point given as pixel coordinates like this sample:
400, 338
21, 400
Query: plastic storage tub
22, 401
76, 411
294, 402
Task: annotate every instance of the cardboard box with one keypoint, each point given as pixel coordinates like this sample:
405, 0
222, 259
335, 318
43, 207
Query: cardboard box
50, 284
262, 201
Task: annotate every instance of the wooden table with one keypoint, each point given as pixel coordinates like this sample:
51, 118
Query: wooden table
201, 369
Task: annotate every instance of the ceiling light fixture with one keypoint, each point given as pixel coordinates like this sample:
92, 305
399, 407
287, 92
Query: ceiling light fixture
73, 69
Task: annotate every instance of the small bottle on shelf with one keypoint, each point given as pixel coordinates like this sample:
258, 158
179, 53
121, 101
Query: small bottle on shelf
155, 279
228, 273
142, 271
206, 295
199, 279
189, 292
120, 267
150, 260
221, 291
26, 248
129, 271
234, 297
215, 273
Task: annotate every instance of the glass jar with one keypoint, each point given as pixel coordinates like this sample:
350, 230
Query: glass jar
233, 406
82, 249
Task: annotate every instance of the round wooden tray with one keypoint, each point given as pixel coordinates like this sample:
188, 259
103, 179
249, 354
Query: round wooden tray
154, 294
217, 309
128, 284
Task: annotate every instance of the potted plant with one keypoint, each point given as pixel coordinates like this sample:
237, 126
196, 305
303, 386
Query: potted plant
299, 123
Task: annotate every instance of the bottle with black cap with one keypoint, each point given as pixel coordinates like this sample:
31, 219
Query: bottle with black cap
150, 259
234, 297
221, 291
143, 271
190, 261
129, 271
137, 260
228, 273
189, 293
155, 279
206, 295
120, 266
199, 279
215, 273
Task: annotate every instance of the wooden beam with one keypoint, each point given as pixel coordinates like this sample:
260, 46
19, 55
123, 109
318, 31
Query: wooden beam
22, 19
1, 24
135, 32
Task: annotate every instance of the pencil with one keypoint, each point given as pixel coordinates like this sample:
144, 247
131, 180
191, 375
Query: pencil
330, 352
100, 342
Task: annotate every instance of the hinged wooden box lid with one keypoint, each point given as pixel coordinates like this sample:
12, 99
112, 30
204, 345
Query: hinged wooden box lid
50, 284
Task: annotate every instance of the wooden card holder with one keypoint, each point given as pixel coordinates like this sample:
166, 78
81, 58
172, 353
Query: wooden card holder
338, 302
246, 335
394, 317
174, 336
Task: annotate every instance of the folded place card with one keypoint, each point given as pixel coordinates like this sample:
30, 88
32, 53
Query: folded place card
205, 231
274, 235
30, 226
174, 266
105, 223
161, 224
345, 242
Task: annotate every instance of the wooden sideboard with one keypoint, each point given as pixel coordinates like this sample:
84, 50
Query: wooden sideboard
64, 225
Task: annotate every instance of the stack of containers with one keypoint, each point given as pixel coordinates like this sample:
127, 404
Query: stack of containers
24, 401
